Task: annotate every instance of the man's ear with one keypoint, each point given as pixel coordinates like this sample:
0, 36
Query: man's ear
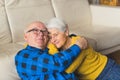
25, 37
67, 31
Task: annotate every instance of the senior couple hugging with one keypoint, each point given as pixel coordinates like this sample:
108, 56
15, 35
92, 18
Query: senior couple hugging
54, 54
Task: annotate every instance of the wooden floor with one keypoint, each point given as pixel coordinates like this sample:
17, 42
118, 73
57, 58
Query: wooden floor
115, 56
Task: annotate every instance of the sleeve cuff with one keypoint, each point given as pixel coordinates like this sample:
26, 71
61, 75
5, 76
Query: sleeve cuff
76, 48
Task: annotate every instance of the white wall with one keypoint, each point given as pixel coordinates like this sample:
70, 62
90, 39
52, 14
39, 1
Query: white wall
105, 15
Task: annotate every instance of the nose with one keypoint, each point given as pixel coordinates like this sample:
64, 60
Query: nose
53, 40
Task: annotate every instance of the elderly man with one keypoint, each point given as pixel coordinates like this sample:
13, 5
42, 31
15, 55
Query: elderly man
35, 63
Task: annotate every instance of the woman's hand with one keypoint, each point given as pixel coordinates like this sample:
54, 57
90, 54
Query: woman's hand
82, 42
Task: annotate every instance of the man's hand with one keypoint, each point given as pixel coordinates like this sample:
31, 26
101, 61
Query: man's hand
82, 43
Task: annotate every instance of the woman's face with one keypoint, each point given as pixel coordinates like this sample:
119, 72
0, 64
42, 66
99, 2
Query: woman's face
58, 38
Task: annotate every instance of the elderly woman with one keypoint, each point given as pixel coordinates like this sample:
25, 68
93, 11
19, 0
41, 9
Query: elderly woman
89, 65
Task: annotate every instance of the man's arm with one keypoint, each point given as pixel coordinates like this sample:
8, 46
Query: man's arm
36, 62
82, 43
65, 58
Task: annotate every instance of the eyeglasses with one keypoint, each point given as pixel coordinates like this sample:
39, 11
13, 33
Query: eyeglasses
38, 31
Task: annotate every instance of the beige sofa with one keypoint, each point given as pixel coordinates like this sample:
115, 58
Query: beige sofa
99, 23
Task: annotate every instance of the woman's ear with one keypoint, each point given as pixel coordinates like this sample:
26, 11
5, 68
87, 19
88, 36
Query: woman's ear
67, 31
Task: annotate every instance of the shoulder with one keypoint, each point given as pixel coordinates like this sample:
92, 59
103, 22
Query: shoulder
74, 37
52, 49
21, 53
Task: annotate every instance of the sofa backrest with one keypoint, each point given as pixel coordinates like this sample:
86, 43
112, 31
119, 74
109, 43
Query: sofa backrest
16, 14
75, 12
22, 12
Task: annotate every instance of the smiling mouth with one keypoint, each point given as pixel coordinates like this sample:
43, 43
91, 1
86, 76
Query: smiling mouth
56, 43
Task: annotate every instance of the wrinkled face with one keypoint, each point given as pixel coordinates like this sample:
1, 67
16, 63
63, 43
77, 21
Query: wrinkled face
57, 37
37, 35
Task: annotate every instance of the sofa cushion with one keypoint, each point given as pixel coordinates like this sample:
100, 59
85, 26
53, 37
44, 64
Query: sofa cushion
7, 65
106, 37
22, 12
75, 12
5, 35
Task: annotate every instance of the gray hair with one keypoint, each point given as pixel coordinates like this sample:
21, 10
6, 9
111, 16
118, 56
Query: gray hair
56, 23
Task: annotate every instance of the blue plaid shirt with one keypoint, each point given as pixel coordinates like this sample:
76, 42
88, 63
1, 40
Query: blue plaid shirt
36, 64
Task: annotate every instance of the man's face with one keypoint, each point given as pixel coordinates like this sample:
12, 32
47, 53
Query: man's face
37, 35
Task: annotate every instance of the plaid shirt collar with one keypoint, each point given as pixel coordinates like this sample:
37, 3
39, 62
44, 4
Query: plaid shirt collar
36, 49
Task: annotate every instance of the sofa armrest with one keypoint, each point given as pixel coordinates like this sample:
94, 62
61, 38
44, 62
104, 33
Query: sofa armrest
105, 15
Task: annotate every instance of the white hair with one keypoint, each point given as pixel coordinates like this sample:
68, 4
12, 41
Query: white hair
56, 23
